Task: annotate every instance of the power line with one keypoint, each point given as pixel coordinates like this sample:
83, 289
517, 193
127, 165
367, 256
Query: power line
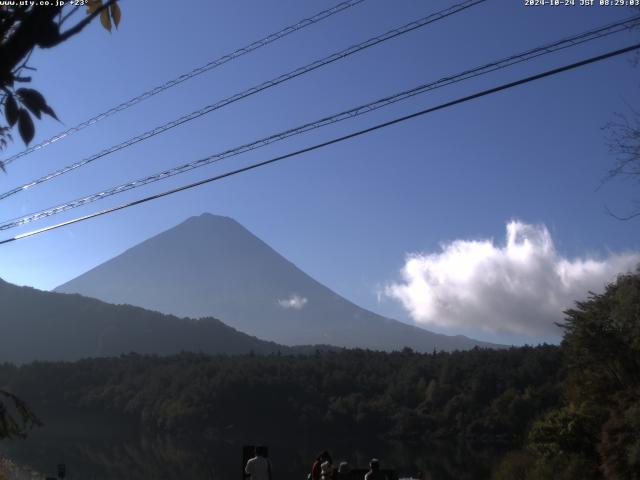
189, 75
351, 113
251, 91
358, 133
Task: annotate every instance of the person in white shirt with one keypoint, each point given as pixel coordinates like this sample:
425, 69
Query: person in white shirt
259, 467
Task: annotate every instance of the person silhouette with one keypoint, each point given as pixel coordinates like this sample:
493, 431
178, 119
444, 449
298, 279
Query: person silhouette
374, 472
316, 468
344, 471
259, 467
326, 470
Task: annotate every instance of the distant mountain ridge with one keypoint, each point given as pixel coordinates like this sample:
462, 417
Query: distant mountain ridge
37, 325
211, 266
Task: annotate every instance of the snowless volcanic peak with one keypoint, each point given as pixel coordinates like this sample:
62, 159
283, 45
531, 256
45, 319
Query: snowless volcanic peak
211, 266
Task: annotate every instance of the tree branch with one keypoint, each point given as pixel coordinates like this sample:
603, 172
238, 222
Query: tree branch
71, 12
10, 426
622, 217
82, 24
37, 24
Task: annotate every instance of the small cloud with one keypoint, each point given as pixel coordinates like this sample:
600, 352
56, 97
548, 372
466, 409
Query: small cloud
519, 287
294, 301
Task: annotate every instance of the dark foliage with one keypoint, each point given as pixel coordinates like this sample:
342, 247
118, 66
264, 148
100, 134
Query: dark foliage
595, 432
560, 412
24, 27
479, 395
14, 424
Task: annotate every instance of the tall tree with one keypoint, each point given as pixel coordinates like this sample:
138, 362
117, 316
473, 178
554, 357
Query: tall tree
624, 141
595, 432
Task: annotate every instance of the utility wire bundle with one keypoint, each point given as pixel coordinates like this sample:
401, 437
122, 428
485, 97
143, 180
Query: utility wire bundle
527, 55
251, 91
189, 75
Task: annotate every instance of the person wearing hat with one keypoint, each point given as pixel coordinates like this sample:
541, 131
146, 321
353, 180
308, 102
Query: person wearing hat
374, 472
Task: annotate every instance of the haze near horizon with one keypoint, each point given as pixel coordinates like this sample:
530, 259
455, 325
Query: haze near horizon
211, 266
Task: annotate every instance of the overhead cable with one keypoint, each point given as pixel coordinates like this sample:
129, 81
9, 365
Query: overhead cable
251, 91
189, 75
358, 133
344, 115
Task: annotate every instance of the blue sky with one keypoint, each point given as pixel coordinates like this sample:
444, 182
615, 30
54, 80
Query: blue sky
349, 214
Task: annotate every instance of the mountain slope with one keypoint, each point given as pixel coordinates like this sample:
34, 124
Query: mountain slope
37, 325
212, 266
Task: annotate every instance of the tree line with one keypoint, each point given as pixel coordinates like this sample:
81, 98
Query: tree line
568, 411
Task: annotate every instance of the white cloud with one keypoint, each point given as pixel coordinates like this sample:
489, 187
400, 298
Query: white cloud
520, 287
294, 301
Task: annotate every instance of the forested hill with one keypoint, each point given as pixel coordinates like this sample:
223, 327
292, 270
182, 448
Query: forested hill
39, 325
563, 412
460, 410
485, 395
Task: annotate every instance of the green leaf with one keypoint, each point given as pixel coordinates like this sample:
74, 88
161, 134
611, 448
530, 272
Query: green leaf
93, 5
11, 110
25, 126
105, 20
35, 102
115, 14
49, 111
32, 99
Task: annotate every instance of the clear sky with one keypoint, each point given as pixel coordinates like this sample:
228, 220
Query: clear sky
442, 187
